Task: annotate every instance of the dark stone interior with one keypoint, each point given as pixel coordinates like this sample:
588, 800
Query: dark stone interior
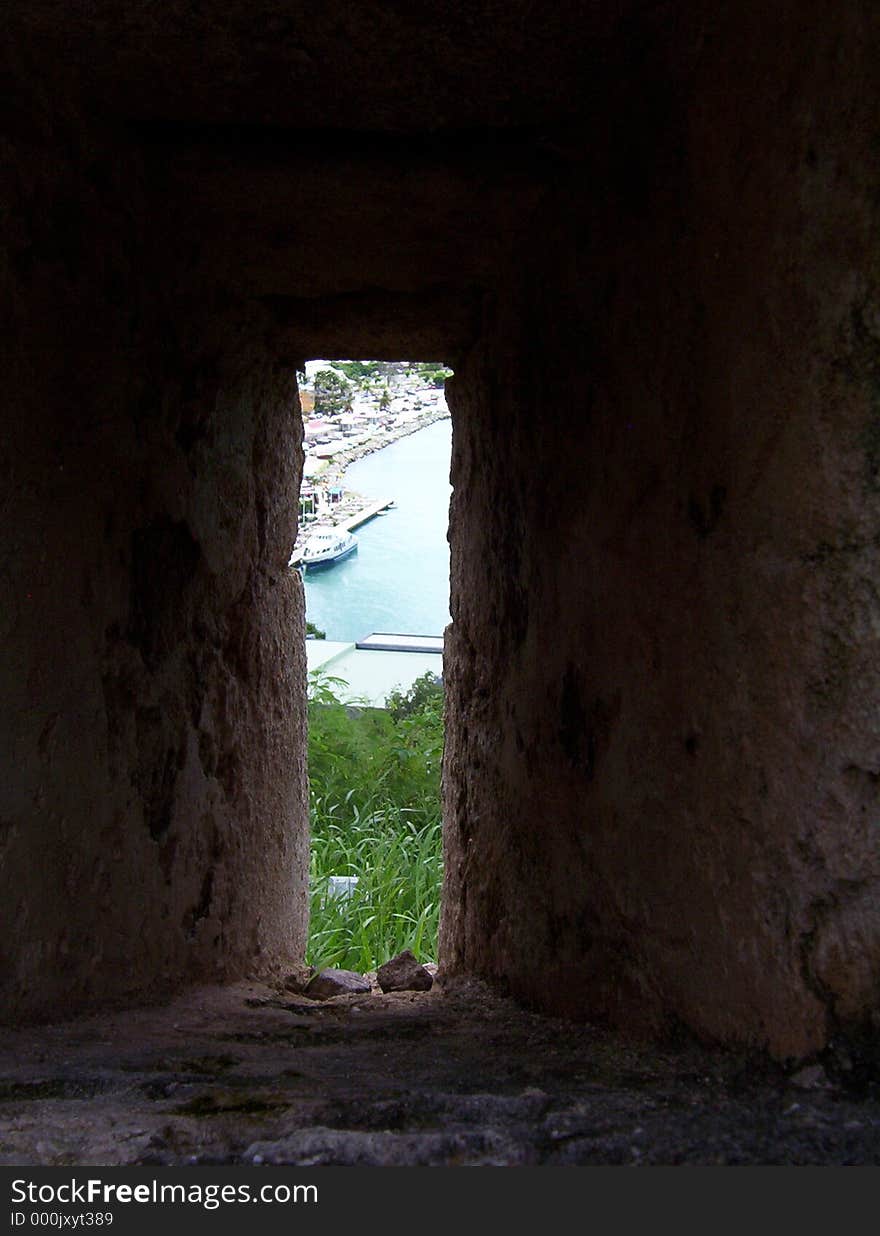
644, 236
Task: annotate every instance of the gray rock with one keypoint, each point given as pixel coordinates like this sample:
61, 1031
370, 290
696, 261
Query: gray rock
330, 982
811, 1077
403, 973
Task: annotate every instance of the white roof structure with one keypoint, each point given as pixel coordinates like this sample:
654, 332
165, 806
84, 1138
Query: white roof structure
370, 674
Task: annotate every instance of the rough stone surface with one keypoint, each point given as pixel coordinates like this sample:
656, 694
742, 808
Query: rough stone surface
663, 745
404, 973
152, 807
331, 982
450, 1077
298, 979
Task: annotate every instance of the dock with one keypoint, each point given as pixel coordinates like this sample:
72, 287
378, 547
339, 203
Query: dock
351, 522
363, 516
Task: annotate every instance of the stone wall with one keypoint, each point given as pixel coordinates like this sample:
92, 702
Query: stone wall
646, 241
152, 814
664, 740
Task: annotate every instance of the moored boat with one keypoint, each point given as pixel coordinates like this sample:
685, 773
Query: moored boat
327, 545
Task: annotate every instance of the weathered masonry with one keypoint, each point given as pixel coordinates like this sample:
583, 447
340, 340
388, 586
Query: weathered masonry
646, 238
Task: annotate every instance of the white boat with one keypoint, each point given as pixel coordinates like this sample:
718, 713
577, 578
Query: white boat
326, 545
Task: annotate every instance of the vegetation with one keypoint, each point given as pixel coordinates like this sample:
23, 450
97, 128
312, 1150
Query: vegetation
314, 631
362, 373
332, 393
423, 699
367, 374
430, 372
375, 814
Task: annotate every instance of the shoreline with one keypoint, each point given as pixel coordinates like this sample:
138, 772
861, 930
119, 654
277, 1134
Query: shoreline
352, 502
335, 472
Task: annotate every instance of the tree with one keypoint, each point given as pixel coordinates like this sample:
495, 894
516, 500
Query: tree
332, 393
423, 699
362, 373
433, 374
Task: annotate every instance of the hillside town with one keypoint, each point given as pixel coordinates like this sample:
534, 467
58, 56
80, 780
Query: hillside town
346, 417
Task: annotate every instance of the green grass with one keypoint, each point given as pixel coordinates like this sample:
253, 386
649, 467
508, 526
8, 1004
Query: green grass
375, 814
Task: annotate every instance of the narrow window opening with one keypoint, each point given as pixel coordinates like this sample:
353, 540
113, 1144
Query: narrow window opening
374, 557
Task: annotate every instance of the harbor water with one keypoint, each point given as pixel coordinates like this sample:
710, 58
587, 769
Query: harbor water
398, 580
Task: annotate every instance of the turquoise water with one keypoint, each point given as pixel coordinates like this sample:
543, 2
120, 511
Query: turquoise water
398, 580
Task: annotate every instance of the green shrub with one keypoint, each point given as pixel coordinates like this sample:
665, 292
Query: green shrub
423, 699
431, 373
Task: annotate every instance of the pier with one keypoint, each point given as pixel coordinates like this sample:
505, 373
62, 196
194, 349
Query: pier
363, 516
